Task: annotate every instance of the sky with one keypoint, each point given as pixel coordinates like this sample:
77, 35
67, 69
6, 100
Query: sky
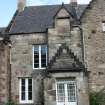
8, 7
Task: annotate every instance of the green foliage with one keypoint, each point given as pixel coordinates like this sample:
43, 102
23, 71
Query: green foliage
97, 98
10, 103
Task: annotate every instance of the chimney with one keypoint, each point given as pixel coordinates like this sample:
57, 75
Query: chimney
73, 3
21, 5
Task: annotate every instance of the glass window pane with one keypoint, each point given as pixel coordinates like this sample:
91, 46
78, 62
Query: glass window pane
30, 81
71, 92
29, 89
43, 49
36, 56
36, 61
23, 82
44, 65
29, 95
36, 65
23, 88
23, 96
43, 56
60, 92
36, 50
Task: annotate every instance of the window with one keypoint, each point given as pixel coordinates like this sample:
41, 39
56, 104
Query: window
39, 56
25, 91
103, 26
65, 92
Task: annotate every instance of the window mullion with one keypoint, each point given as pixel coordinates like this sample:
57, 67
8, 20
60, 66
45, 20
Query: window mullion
66, 94
33, 57
46, 56
40, 56
20, 92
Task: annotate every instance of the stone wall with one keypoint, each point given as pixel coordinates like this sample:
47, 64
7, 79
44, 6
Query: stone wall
94, 41
81, 85
4, 71
62, 32
22, 59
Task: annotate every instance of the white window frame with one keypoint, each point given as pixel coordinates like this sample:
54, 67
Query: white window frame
39, 46
26, 91
65, 85
103, 26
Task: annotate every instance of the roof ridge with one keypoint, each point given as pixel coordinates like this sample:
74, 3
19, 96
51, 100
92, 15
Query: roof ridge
52, 5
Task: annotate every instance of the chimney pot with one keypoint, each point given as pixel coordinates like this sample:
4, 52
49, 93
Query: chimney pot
73, 3
21, 5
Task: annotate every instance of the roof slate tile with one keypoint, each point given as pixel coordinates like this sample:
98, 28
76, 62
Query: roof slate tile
39, 18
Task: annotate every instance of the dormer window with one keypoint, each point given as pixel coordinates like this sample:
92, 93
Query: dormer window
39, 56
103, 26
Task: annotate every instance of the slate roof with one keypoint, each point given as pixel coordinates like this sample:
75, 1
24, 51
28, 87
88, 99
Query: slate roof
39, 18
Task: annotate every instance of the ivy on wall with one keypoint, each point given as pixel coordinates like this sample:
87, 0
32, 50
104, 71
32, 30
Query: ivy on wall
10, 102
97, 98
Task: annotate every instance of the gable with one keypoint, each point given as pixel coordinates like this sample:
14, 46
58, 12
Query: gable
62, 13
64, 60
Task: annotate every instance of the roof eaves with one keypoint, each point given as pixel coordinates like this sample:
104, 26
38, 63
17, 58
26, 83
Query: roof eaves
24, 33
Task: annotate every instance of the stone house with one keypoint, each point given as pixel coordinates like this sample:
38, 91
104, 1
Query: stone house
53, 54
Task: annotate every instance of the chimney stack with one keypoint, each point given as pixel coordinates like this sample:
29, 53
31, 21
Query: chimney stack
73, 3
21, 5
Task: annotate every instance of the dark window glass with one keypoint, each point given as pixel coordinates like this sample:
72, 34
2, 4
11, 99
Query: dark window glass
43, 56
23, 82
30, 95
30, 89
36, 65
23, 96
23, 89
36, 57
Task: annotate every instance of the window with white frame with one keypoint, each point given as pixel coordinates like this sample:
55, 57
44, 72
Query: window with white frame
103, 26
65, 91
39, 56
25, 91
